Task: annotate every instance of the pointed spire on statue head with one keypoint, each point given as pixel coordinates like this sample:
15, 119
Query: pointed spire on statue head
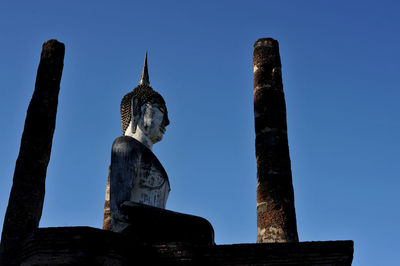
144, 78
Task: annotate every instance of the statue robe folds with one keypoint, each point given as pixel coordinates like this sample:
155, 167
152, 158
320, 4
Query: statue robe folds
136, 175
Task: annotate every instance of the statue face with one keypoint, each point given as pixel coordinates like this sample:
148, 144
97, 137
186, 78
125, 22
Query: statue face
153, 121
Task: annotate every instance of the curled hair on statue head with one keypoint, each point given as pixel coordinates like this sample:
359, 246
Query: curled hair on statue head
133, 101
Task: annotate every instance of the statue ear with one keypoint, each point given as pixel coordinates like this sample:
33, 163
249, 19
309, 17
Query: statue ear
135, 113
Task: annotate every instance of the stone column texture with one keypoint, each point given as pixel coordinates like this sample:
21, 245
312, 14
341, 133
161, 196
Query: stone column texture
107, 212
276, 217
27, 193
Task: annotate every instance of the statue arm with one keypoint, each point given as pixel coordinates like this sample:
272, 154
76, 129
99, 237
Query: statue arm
124, 162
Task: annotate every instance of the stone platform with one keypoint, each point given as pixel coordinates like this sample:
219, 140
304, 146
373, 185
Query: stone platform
91, 246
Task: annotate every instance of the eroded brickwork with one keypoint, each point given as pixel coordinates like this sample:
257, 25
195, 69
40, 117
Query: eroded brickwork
276, 218
91, 246
107, 213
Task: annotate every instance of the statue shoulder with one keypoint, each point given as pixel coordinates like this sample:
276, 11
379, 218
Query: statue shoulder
126, 144
127, 151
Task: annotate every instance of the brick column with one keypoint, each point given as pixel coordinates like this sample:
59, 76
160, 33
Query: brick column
276, 217
107, 213
27, 193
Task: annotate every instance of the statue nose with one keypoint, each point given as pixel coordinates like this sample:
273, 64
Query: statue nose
166, 122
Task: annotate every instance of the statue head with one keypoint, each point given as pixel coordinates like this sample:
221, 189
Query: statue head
144, 114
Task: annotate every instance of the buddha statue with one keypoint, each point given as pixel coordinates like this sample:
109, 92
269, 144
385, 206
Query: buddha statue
136, 175
138, 185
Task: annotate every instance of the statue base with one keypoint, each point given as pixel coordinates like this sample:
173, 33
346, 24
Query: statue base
147, 224
92, 246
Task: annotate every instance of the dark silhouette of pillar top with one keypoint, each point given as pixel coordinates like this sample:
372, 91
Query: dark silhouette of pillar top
276, 217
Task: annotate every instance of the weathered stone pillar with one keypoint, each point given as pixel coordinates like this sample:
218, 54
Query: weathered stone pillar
276, 217
27, 193
107, 212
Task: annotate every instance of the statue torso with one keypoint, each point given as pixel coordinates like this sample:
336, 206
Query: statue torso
136, 175
151, 185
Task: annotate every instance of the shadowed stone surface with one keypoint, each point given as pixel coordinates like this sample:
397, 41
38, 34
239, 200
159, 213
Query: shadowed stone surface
90, 246
148, 224
27, 193
135, 175
107, 213
276, 217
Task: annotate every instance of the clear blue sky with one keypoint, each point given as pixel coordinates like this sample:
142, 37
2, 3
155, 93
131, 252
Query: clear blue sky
341, 78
